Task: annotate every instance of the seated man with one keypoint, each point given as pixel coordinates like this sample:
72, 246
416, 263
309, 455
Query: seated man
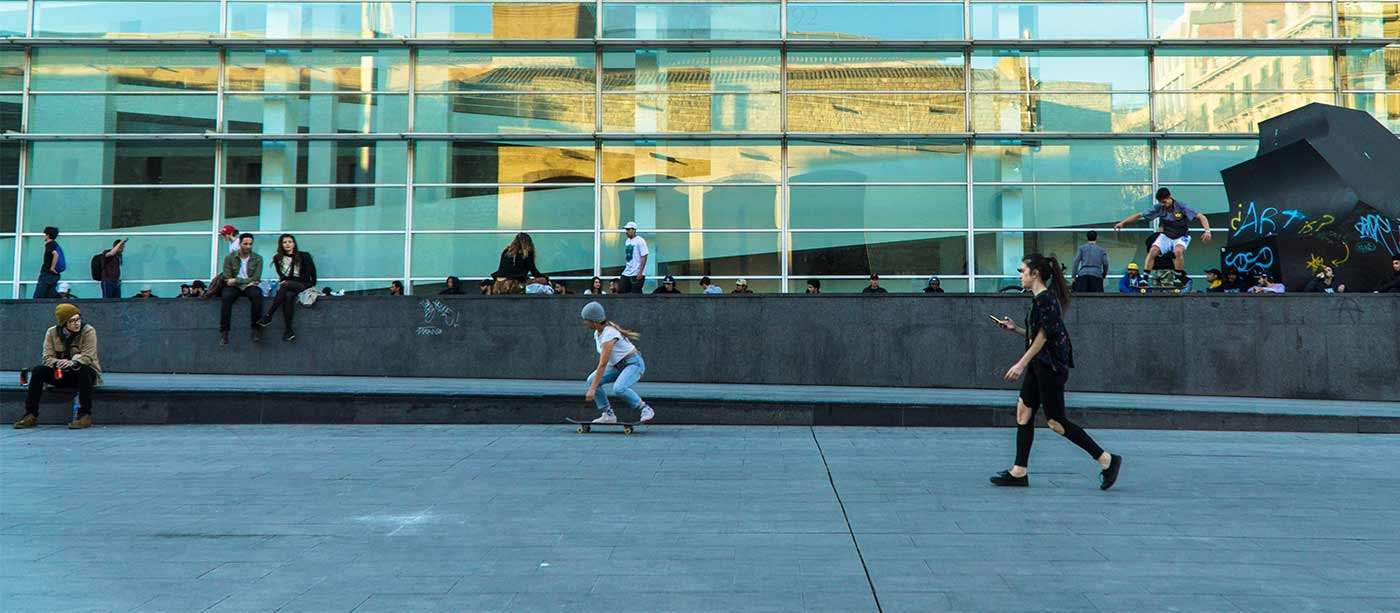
668, 286
1175, 220
70, 361
1130, 281
540, 285
1266, 285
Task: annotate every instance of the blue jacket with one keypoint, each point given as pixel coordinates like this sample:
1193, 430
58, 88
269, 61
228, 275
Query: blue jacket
1128, 285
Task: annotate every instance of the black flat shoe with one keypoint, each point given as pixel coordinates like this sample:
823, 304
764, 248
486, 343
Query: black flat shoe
1005, 479
1110, 475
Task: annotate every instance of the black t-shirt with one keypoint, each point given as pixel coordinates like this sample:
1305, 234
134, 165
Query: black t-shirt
50, 258
1045, 314
874, 290
933, 290
663, 290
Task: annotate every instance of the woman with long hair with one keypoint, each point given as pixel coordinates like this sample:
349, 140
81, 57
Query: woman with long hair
595, 287
619, 363
1044, 369
454, 286
296, 271
517, 266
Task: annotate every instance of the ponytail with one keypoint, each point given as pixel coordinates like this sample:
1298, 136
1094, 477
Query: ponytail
1052, 274
631, 336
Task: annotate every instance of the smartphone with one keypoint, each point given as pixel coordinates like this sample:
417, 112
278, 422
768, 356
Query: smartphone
995, 319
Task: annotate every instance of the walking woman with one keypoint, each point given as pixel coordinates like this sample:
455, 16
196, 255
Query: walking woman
1043, 371
517, 266
296, 271
70, 362
619, 363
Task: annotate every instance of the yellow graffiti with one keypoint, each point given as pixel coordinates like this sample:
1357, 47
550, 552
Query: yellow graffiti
1239, 217
1315, 263
1345, 258
1312, 227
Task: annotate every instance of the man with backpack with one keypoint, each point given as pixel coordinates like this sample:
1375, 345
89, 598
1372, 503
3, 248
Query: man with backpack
51, 266
107, 268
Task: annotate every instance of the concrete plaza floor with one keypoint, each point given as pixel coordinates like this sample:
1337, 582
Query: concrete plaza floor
465, 518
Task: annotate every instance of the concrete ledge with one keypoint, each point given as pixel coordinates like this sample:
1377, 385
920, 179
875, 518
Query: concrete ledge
214, 399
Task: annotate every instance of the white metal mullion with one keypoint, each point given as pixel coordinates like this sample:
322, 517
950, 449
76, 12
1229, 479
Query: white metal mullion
411, 149
219, 156
598, 151
20, 196
785, 220
971, 227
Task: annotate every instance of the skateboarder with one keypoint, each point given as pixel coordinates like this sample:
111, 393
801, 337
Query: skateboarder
1175, 236
1045, 366
619, 363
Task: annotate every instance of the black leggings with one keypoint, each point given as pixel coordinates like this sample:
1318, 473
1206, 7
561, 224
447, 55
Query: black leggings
286, 299
1043, 387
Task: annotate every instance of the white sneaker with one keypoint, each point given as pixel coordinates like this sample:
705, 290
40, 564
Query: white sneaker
608, 417
647, 413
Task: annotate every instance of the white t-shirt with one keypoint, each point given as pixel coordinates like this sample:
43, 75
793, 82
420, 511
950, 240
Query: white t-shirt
233, 246
620, 349
636, 248
243, 267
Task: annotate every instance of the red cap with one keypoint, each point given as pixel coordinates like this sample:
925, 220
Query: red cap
228, 230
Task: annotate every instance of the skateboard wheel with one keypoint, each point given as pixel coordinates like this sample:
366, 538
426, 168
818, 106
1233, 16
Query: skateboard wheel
627, 429
583, 429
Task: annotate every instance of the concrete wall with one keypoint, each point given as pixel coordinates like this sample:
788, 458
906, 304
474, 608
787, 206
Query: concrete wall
1295, 346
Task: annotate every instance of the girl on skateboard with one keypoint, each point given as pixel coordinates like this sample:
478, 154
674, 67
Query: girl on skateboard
619, 363
1044, 369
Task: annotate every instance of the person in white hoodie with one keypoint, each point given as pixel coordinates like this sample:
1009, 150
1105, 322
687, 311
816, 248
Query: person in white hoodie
619, 363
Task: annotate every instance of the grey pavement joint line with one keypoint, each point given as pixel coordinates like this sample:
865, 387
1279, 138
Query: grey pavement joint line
846, 518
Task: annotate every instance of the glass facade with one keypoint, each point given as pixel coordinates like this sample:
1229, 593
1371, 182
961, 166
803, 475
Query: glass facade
771, 141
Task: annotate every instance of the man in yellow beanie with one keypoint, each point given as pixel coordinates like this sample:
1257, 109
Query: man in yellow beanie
70, 361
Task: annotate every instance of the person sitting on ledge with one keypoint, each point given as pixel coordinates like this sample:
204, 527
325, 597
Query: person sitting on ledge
741, 287
1129, 283
935, 286
1266, 285
814, 286
1393, 285
668, 286
874, 287
540, 285
1326, 282
70, 361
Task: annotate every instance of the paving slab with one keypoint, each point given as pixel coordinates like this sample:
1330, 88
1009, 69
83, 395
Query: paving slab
688, 518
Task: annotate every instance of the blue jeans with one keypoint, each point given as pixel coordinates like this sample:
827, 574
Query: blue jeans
111, 289
623, 376
47, 285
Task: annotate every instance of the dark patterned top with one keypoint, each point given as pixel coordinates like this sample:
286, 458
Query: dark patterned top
1044, 314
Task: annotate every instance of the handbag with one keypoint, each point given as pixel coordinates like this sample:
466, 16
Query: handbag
308, 296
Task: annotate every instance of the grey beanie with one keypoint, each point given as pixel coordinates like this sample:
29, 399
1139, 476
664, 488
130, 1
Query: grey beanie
593, 312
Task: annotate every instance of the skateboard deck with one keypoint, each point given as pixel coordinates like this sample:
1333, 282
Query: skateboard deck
585, 426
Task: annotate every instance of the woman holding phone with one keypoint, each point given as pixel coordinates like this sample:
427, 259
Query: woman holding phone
1043, 370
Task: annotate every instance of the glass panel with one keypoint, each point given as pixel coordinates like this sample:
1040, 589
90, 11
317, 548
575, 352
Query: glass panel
12, 70
89, 69
506, 20
135, 208
1384, 107
144, 257
1187, 160
1215, 20
341, 255
691, 113
9, 164
543, 207
103, 19
9, 207
885, 253
855, 161
347, 209
14, 21
1242, 69
691, 70
1208, 199
120, 163
1000, 253
7, 265
895, 286
318, 69
1369, 19
474, 256
316, 114
1061, 160
503, 162
1056, 206
877, 206
122, 114
315, 162
505, 113
360, 288
505, 71
1375, 68
1057, 20
875, 71
1239, 112
876, 113
318, 19
694, 207
1059, 70
1060, 113
11, 112
875, 21
700, 253
687, 20
691, 161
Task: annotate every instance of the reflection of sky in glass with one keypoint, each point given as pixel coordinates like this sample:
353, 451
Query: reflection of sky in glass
876, 21
1120, 70
1059, 20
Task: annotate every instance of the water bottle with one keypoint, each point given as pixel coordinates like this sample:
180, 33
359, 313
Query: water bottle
76, 405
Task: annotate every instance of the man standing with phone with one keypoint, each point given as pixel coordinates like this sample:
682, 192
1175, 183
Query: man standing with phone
634, 272
112, 270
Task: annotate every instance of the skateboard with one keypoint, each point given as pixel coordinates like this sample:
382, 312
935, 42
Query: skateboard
584, 426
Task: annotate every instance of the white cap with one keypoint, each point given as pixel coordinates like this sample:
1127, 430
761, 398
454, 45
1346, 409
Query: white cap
64, 286
631, 225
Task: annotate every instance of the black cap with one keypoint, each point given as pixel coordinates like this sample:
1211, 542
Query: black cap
1216, 271
669, 280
